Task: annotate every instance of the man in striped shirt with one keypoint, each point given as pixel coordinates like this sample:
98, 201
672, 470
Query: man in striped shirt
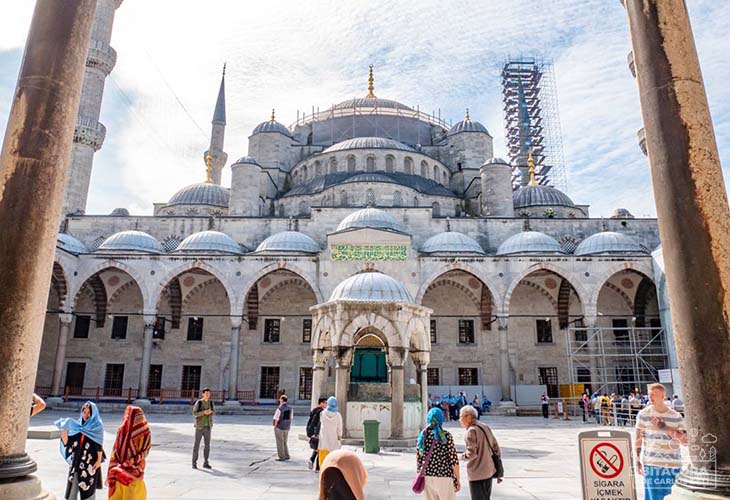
659, 433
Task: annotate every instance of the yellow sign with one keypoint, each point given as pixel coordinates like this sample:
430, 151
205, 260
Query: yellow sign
370, 253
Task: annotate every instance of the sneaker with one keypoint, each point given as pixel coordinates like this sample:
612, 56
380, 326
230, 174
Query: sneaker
206, 465
310, 464
195, 466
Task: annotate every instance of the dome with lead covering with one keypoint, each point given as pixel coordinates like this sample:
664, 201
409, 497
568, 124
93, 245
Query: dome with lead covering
467, 126
372, 218
70, 244
371, 102
609, 242
131, 241
289, 241
209, 241
368, 143
271, 126
528, 242
371, 287
496, 161
202, 193
250, 160
538, 196
452, 242
120, 212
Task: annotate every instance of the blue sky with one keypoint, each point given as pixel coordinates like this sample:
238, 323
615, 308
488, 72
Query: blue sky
290, 55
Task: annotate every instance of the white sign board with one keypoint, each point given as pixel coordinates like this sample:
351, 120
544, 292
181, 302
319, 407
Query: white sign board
606, 465
665, 376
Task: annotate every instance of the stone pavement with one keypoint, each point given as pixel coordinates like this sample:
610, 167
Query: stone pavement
540, 458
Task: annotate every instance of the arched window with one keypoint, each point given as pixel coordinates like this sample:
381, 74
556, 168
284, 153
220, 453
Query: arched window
351, 163
408, 165
446, 178
397, 199
370, 198
343, 199
435, 173
457, 209
282, 210
304, 173
415, 201
318, 167
370, 164
303, 208
389, 163
333, 165
424, 169
435, 209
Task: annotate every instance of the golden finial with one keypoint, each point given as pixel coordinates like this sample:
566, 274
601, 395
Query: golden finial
273, 115
467, 118
208, 168
531, 165
371, 84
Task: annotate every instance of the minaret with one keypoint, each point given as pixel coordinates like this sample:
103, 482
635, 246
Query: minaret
89, 133
215, 151
525, 140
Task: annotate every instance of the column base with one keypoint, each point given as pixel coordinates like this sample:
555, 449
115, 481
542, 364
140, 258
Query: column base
508, 408
231, 402
24, 488
54, 400
699, 483
142, 402
16, 466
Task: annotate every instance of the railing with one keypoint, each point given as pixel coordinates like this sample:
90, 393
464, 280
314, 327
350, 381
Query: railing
161, 396
90, 132
43, 391
101, 56
370, 111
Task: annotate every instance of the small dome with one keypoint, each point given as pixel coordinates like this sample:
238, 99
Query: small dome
120, 212
70, 244
529, 242
289, 241
209, 241
538, 196
372, 218
451, 242
371, 287
271, 126
496, 161
202, 193
368, 143
609, 242
131, 241
370, 102
467, 125
621, 213
246, 160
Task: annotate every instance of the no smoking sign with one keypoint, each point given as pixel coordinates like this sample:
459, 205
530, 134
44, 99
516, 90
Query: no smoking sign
606, 465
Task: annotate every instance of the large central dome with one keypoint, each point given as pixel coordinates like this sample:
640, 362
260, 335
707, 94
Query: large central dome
371, 102
368, 143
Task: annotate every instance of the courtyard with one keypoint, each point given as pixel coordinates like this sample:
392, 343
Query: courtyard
540, 457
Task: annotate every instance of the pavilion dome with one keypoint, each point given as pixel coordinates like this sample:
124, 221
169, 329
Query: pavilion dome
368, 143
131, 241
271, 126
538, 196
289, 241
372, 218
371, 102
529, 242
609, 242
247, 160
371, 287
467, 125
209, 241
70, 244
201, 193
496, 161
120, 212
451, 242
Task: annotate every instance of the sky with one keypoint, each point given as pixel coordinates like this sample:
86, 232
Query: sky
294, 55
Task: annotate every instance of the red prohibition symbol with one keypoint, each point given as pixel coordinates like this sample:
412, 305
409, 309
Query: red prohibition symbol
606, 460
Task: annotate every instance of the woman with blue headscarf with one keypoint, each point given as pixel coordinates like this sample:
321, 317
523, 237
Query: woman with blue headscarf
81, 447
330, 430
437, 460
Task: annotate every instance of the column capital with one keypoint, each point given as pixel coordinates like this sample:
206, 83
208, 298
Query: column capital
421, 359
502, 321
396, 357
236, 321
590, 320
343, 356
319, 358
65, 318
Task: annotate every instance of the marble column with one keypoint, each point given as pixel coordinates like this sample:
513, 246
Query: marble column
65, 319
319, 362
396, 361
33, 164
421, 360
144, 370
342, 382
592, 350
504, 378
232, 398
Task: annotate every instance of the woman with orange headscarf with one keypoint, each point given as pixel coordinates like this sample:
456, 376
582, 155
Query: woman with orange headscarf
128, 459
343, 477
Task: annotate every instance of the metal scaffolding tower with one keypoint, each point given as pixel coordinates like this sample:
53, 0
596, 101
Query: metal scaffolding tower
532, 119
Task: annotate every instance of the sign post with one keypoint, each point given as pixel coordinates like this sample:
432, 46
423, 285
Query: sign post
606, 465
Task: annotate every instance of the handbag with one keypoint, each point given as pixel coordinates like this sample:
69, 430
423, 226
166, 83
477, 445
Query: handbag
419, 482
498, 466
314, 442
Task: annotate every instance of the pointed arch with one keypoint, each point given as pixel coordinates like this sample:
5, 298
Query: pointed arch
173, 273
59, 283
643, 293
556, 270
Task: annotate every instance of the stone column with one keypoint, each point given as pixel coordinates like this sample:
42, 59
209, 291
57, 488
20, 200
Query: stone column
342, 382
396, 360
694, 224
232, 399
504, 379
319, 362
33, 161
65, 319
144, 370
593, 350
421, 360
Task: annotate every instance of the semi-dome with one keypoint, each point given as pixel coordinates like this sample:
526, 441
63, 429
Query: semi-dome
467, 125
372, 218
131, 241
70, 244
289, 241
538, 196
621, 213
452, 242
201, 193
368, 143
529, 242
250, 160
120, 212
371, 102
371, 287
496, 161
609, 242
209, 241
271, 126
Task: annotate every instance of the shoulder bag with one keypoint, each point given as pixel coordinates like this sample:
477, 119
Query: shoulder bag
498, 466
419, 482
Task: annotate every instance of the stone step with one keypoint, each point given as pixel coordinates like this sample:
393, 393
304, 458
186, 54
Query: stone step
44, 432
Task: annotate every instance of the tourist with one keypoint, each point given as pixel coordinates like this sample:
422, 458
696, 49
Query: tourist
677, 405
634, 407
203, 411
82, 443
282, 423
615, 408
545, 403
313, 425
624, 411
477, 405
605, 410
480, 445
441, 470
330, 430
129, 457
37, 406
659, 432
586, 405
343, 477
596, 401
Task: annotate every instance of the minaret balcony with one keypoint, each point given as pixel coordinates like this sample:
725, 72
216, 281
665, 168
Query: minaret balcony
642, 140
101, 56
631, 63
89, 132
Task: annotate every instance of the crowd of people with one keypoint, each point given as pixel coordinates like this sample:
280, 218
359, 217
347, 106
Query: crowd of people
451, 405
620, 410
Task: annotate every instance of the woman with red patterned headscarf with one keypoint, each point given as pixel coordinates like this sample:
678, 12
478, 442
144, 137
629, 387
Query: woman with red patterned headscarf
126, 466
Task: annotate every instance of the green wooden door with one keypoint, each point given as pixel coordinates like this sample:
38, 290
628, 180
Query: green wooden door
369, 366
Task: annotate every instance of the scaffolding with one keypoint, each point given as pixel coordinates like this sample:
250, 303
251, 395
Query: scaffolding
532, 120
619, 360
